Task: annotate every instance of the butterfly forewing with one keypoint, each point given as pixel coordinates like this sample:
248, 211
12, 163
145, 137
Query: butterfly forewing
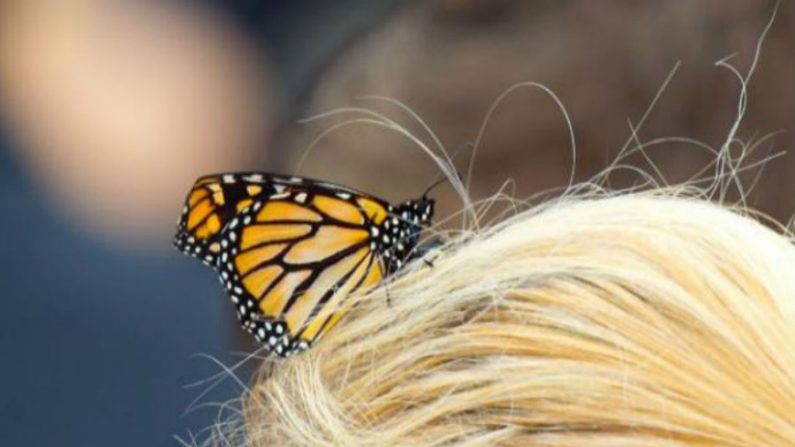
211, 203
291, 251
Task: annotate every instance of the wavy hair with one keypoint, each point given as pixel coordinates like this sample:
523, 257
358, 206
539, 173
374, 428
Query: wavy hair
651, 319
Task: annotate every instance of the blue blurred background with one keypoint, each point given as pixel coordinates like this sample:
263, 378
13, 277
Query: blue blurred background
109, 110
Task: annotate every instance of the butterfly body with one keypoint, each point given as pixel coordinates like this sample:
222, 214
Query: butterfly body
290, 251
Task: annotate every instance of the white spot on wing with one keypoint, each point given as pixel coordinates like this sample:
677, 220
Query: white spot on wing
257, 178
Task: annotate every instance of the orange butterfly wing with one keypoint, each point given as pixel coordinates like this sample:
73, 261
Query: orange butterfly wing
292, 251
211, 203
293, 263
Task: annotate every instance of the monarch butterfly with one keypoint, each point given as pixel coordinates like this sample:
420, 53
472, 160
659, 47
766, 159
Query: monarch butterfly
290, 251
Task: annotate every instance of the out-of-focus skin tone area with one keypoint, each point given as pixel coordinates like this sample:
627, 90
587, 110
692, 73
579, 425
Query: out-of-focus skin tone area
117, 106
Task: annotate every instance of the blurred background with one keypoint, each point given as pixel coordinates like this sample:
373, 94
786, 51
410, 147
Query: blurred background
110, 109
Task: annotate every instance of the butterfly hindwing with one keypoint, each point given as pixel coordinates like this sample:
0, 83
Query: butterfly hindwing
292, 260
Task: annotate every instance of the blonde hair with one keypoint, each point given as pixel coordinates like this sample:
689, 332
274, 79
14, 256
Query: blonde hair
649, 319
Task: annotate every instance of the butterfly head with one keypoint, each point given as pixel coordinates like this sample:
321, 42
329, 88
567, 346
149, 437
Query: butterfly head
416, 214
425, 208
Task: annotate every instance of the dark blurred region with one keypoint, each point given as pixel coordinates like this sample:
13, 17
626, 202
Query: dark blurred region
449, 60
110, 109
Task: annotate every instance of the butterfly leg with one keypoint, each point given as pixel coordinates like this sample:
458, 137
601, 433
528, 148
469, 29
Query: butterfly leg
422, 251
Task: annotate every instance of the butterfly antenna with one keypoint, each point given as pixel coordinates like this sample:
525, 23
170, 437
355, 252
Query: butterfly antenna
434, 185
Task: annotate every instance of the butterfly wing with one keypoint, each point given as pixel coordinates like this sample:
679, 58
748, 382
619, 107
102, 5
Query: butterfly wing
289, 252
211, 203
292, 259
